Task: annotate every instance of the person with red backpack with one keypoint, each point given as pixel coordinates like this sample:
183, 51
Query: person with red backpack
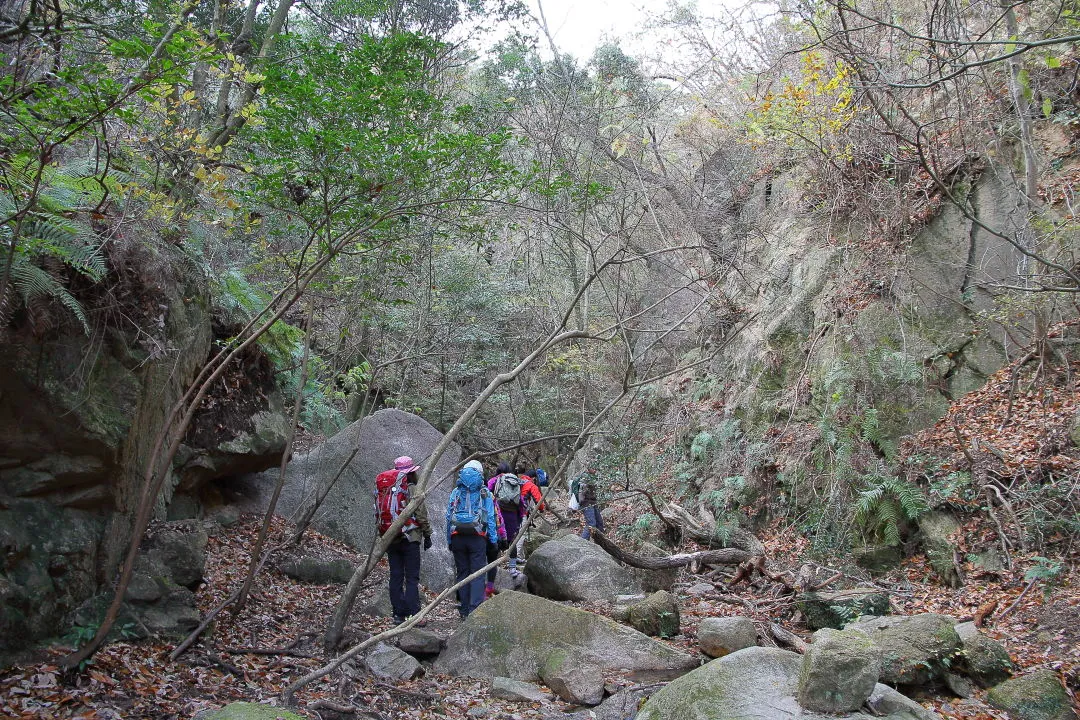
403, 553
470, 529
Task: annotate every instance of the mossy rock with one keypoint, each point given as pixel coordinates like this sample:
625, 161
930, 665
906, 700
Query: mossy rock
1038, 696
247, 711
835, 609
878, 558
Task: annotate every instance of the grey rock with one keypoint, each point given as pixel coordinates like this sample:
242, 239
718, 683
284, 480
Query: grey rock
656, 615
180, 547
699, 589
839, 671
420, 642
1036, 696
320, 571
959, 685
517, 690
255, 444
761, 683
938, 529
653, 580
495, 641
986, 660
390, 663
143, 587
572, 568
878, 558
621, 704
915, 648
836, 609
345, 514
573, 679
380, 605
719, 636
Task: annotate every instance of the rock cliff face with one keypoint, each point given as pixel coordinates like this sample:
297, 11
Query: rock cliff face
908, 324
78, 419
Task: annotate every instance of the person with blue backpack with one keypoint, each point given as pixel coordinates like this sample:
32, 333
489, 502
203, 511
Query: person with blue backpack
470, 527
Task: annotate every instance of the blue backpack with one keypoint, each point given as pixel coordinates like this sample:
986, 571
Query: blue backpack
466, 517
541, 478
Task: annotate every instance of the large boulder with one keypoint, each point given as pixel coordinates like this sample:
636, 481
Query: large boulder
986, 660
346, 513
915, 648
571, 568
1037, 696
761, 683
720, 636
839, 671
836, 609
515, 635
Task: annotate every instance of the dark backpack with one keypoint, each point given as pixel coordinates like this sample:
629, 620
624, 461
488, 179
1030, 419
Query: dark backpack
467, 517
508, 491
541, 478
391, 496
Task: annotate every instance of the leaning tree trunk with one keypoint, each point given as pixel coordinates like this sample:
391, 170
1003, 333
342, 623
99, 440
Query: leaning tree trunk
704, 530
724, 556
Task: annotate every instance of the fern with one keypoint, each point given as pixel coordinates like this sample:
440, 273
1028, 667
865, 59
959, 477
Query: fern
31, 282
884, 504
700, 446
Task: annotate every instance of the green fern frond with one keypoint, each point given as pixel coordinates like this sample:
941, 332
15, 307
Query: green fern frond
870, 427
32, 282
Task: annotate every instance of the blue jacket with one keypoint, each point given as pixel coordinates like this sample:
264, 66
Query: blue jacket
469, 485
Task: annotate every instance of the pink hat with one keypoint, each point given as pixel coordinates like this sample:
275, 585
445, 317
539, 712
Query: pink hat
405, 464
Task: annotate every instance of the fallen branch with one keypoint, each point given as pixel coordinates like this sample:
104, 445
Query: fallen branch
725, 556
788, 638
1027, 588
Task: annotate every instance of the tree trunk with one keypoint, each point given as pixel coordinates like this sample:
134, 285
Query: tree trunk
725, 556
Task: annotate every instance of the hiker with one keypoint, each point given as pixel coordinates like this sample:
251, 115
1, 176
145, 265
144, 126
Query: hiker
494, 550
391, 496
532, 497
509, 491
583, 495
470, 527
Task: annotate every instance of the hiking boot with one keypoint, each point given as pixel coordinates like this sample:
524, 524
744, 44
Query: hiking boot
398, 619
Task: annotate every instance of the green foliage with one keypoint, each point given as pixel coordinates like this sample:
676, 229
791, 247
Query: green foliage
699, 447
884, 503
44, 230
1046, 570
640, 528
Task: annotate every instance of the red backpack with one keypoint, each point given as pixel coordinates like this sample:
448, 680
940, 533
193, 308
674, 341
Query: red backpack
391, 495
